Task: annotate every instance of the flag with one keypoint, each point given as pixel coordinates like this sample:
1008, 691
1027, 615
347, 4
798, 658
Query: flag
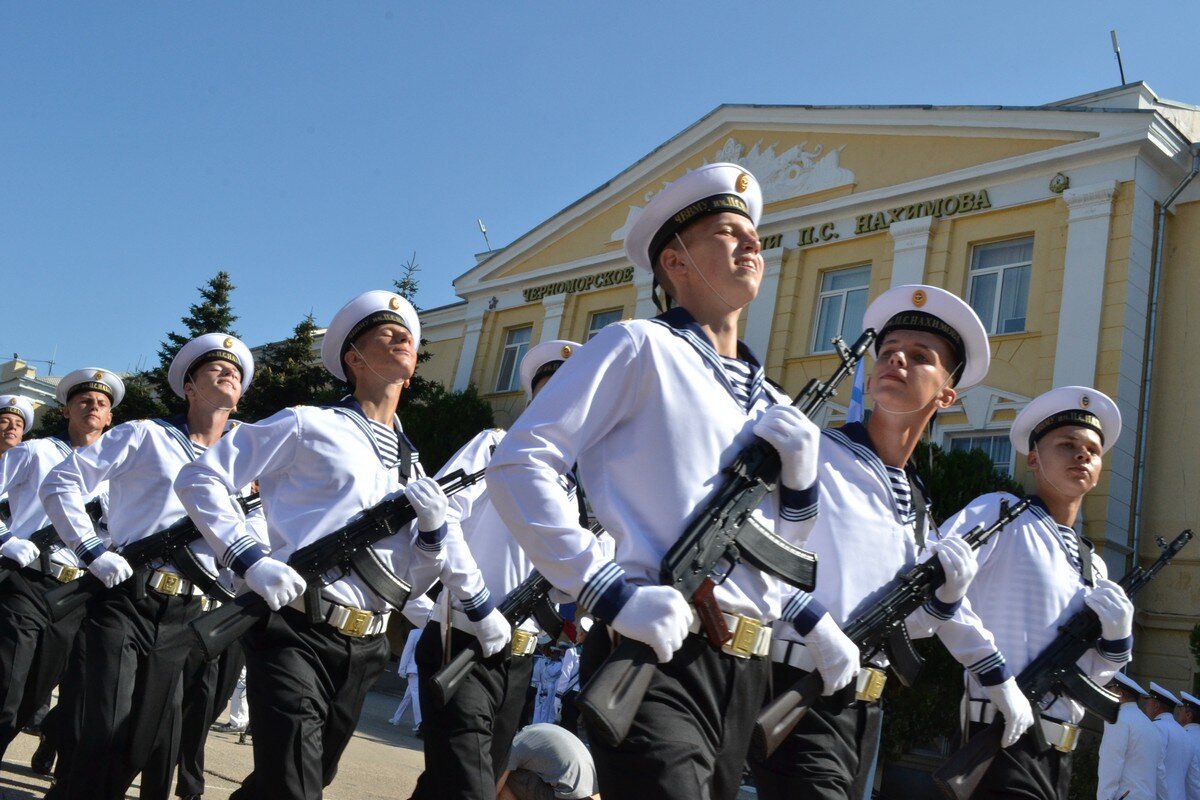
855, 412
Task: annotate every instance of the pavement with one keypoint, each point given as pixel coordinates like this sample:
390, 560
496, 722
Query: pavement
382, 761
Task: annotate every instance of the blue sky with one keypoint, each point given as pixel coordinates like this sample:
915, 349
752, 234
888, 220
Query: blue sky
310, 148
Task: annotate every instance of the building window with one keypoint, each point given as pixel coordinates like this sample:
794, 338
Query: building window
999, 289
600, 319
995, 446
840, 306
516, 342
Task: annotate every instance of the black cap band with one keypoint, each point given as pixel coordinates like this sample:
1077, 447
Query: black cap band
90, 386
381, 317
701, 208
214, 355
544, 371
923, 321
1072, 416
12, 410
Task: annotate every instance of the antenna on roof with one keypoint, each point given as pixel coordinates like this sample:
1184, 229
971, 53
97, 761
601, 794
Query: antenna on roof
1117, 50
483, 230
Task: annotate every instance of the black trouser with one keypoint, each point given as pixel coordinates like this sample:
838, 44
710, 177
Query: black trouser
570, 711
122, 694
691, 732
306, 685
468, 740
33, 649
829, 753
206, 689
1021, 771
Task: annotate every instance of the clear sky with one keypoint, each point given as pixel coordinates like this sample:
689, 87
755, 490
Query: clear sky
310, 148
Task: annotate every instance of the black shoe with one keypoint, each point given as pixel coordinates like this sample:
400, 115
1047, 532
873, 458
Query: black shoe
43, 758
227, 727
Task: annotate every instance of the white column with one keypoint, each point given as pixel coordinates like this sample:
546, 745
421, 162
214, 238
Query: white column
911, 238
466, 359
761, 311
553, 306
643, 281
1088, 219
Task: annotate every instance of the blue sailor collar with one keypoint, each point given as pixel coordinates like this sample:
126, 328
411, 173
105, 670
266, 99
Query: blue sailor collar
1086, 549
680, 322
177, 428
854, 436
350, 408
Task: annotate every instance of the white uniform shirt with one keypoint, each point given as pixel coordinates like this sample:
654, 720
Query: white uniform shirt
863, 539
317, 470
1025, 588
408, 661
648, 413
1131, 757
545, 707
1181, 771
568, 679
483, 560
22, 471
139, 460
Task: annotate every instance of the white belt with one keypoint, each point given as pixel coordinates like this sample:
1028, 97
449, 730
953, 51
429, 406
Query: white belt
751, 637
350, 621
523, 642
868, 686
1062, 736
171, 584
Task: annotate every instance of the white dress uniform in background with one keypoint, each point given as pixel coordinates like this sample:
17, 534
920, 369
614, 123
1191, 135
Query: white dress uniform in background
1131, 752
1180, 768
545, 707
407, 669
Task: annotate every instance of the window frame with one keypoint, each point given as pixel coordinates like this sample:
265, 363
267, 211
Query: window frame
991, 324
513, 383
1008, 468
817, 347
619, 311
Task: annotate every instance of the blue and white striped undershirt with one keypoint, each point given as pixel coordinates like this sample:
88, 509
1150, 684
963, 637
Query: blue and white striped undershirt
741, 377
388, 442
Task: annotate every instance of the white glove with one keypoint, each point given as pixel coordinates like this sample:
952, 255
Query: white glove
658, 616
111, 568
795, 437
20, 550
493, 632
836, 657
1018, 716
1114, 609
960, 564
429, 501
278, 583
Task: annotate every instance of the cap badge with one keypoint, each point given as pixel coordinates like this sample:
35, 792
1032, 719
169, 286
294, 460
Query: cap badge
1085, 401
228, 342
918, 298
12, 401
98, 376
566, 351
394, 303
743, 182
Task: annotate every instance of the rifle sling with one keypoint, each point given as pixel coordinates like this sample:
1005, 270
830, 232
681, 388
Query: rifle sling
922, 509
379, 579
1085, 562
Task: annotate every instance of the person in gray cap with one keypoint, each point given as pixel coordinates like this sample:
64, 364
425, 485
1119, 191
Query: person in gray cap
126, 675
1131, 752
1181, 770
33, 648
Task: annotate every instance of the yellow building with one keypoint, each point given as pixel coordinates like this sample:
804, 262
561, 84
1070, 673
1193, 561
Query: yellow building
1045, 218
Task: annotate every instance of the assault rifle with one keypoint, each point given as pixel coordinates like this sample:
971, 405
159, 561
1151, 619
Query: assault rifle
879, 628
5, 511
168, 545
1053, 672
724, 530
348, 549
530, 599
45, 539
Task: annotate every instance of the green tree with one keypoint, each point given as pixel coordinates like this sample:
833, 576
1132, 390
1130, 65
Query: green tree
213, 314
288, 373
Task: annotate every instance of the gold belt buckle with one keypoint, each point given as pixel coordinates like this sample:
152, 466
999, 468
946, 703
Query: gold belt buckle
521, 641
745, 637
166, 583
356, 622
1070, 737
68, 574
873, 689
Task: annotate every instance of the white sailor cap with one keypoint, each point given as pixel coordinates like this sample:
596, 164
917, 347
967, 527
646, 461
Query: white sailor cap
934, 310
1129, 683
210, 347
91, 379
543, 360
1159, 693
15, 404
710, 189
1066, 405
369, 309
1190, 700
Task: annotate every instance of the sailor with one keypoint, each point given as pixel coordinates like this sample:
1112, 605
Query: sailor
1187, 714
318, 469
1039, 572
652, 411
1131, 755
126, 673
1181, 770
16, 419
875, 522
467, 740
33, 648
